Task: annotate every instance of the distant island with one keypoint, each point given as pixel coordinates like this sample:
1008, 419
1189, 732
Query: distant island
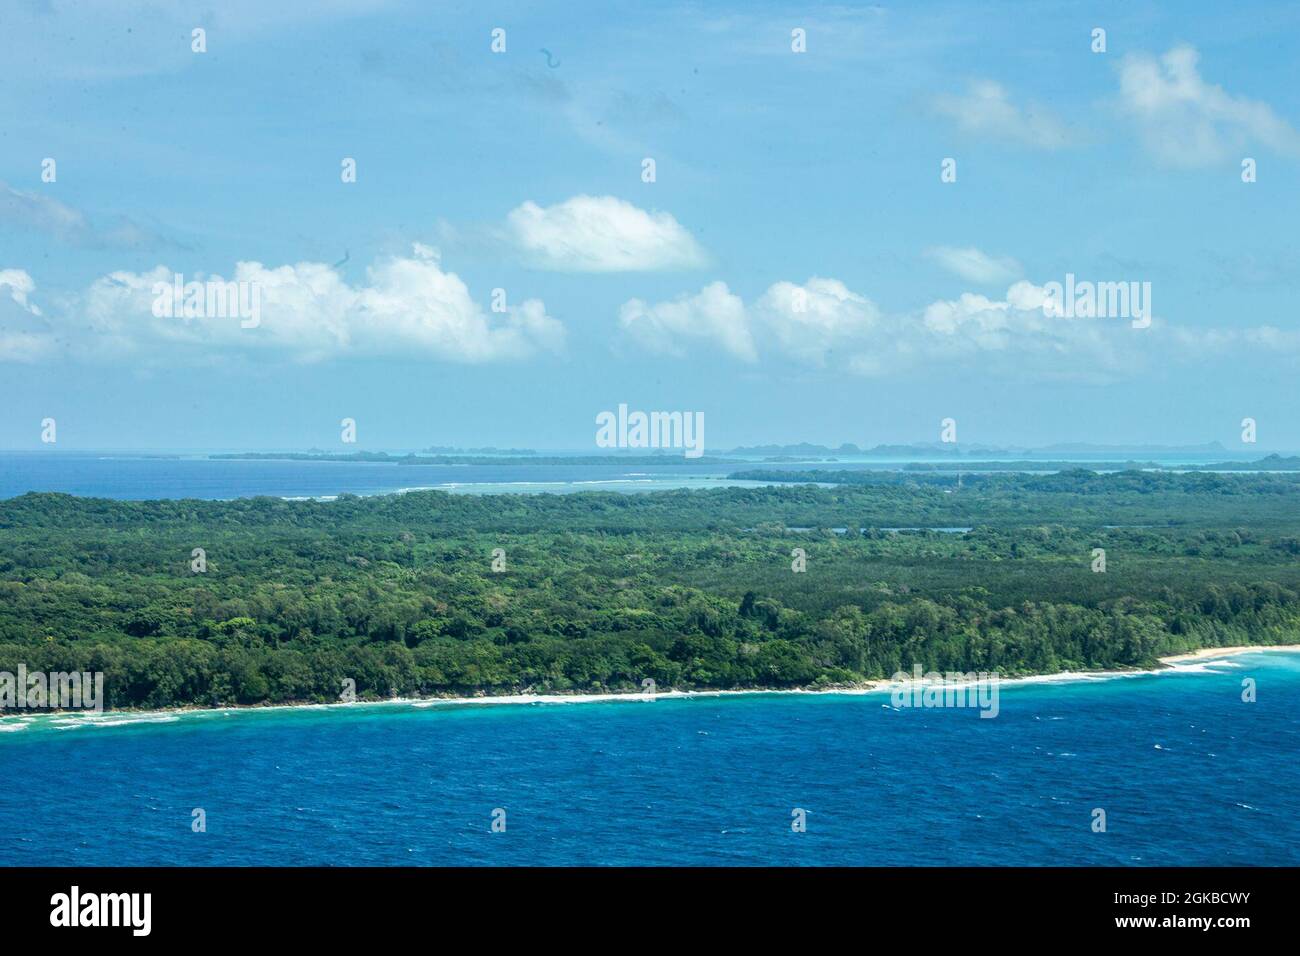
952, 449
870, 476
670, 457
916, 457
1267, 463
489, 450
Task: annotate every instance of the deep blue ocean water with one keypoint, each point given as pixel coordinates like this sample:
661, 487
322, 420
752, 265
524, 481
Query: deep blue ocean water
1186, 771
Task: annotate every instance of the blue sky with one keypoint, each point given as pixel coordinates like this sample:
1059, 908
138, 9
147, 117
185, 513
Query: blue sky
796, 271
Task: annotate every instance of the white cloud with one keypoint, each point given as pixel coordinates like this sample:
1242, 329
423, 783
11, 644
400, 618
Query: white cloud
19, 285
1184, 121
601, 234
24, 336
23, 346
986, 109
975, 266
824, 324
808, 321
714, 315
1214, 343
1013, 335
804, 321
409, 307
33, 210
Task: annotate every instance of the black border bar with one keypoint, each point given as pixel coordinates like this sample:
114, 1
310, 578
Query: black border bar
242, 906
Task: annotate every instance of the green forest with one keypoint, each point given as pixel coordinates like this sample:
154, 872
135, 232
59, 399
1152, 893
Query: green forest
431, 593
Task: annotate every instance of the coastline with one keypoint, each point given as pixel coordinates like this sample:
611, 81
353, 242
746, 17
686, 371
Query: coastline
1209, 653
126, 716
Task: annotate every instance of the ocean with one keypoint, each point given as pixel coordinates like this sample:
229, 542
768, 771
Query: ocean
1185, 771
139, 478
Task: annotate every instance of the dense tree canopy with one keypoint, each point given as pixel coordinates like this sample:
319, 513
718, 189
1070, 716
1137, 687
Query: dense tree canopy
600, 591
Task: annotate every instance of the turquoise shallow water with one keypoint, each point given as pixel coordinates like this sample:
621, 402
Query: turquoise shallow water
1186, 772
125, 477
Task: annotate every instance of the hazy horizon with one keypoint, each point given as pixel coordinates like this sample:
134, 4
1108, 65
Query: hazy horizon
964, 449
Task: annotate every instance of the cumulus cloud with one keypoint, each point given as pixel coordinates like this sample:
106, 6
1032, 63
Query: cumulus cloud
409, 307
809, 321
24, 336
975, 266
804, 321
1016, 334
1184, 121
18, 285
601, 234
713, 315
824, 324
985, 109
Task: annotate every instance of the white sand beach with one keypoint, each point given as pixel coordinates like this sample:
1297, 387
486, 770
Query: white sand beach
1207, 653
1177, 663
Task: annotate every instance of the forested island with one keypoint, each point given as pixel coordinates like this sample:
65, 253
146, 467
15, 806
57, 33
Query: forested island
1269, 463
619, 459
595, 592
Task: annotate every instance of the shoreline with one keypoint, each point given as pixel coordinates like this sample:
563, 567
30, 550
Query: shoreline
1209, 653
71, 718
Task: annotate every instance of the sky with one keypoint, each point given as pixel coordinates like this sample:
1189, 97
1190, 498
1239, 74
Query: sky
798, 262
